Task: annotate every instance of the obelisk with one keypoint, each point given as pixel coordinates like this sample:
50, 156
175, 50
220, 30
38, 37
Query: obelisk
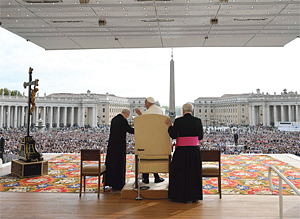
172, 112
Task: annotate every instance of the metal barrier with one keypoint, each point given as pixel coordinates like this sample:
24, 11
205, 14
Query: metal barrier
9, 157
281, 177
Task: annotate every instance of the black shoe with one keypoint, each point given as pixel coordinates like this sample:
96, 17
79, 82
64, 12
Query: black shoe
146, 181
158, 180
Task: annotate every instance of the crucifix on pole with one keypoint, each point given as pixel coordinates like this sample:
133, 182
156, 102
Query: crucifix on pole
28, 151
31, 96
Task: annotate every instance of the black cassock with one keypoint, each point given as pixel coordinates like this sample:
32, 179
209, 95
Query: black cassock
185, 182
116, 152
2, 144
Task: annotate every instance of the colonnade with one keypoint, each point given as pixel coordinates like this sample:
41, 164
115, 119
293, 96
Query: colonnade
12, 116
53, 116
270, 114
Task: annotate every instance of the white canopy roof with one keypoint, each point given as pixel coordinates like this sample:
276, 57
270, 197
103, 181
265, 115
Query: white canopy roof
98, 24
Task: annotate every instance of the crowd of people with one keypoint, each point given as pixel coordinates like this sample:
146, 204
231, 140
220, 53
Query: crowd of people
255, 139
258, 140
67, 140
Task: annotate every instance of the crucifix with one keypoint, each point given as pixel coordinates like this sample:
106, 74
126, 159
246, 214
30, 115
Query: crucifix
31, 96
28, 151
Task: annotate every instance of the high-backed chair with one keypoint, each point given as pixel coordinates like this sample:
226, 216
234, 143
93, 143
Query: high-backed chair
151, 134
212, 170
91, 169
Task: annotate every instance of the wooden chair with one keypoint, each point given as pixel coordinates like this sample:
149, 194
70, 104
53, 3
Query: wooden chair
91, 169
212, 170
151, 134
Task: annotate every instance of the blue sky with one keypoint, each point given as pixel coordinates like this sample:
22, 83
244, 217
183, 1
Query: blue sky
199, 72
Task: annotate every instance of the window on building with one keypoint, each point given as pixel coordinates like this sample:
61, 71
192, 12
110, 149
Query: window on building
103, 110
243, 110
211, 110
205, 111
199, 110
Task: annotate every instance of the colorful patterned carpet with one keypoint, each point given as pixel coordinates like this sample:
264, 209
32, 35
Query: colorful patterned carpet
241, 174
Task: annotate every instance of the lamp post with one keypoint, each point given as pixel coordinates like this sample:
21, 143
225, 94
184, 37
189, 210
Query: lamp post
206, 119
98, 121
214, 122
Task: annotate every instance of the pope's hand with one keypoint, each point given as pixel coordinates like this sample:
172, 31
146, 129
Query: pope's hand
137, 110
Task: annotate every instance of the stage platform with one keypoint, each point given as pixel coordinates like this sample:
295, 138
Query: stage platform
155, 191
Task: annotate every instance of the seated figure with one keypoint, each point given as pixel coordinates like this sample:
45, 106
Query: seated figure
152, 137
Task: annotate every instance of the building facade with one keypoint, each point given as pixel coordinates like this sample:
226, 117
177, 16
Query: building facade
249, 109
88, 109
66, 109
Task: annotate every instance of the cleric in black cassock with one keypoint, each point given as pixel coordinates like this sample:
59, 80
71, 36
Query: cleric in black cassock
116, 151
2, 144
185, 182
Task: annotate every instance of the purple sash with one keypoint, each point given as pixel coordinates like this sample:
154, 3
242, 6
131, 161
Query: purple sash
187, 141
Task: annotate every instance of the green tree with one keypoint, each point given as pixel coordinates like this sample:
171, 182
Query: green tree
166, 108
13, 93
16, 93
5, 90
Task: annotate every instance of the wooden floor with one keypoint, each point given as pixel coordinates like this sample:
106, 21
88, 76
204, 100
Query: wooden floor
69, 205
